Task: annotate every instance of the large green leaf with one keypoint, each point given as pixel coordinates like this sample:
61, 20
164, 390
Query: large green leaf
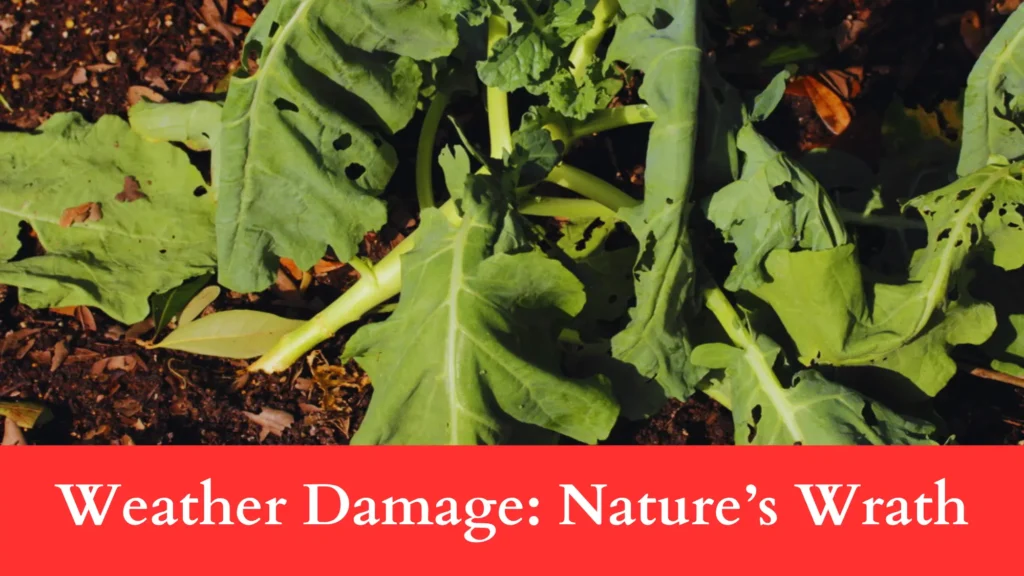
136, 248
834, 319
656, 341
994, 101
470, 355
810, 410
301, 160
775, 204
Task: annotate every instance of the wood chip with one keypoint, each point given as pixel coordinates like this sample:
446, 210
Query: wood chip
88, 212
80, 77
24, 349
60, 353
140, 328
100, 68
242, 18
85, 318
211, 15
137, 93
12, 339
127, 363
271, 421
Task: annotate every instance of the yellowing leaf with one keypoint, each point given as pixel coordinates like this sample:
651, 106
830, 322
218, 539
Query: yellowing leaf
237, 334
196, 306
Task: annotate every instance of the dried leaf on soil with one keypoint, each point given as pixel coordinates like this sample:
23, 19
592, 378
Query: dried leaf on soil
212, 17
127, 363
271, 421
60, 353
138, 94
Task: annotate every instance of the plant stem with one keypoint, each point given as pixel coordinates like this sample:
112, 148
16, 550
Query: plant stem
719, 305
589, 186
586, 46
611, 118
425, 151
383, 282
891, 222
565, 208
497, 100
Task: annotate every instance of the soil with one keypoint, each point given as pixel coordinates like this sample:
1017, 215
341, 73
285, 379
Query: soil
88, 56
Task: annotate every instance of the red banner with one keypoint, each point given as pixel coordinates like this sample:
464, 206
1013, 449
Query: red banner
509, 510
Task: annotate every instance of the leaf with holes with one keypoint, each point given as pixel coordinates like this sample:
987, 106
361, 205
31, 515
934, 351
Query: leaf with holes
469, 355
835, 319
994, 101
302, 161
125, 251
656, 341
810, 410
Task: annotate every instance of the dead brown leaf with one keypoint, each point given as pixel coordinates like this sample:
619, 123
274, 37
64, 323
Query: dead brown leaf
829, 106
127, 363
242, 18
155, 79
131, 192
79, 77
24, 349
137, 93
13, 435
212, 17
60, 353
56, 74
81, 355
326, 267
88, 212
140, 328
41, 357
85, 318
13, 338
271, 421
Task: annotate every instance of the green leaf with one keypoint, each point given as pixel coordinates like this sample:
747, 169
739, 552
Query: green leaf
834, 319
469, 355
810, 410
238, 334
169, 304
789, 53
994, 101
196, 125
535, 54
302, 161
196, 305
775, 204
135, 249
656, 341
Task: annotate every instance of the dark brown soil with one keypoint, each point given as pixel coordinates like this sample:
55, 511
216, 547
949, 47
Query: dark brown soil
85, 56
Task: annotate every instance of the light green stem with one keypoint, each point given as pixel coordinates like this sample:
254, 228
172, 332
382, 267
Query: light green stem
425, 151
565, 208
891, 222
497, 100
380, 284
586, 46
612, 118
589, 186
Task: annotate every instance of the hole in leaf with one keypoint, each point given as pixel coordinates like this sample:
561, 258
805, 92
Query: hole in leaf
354, 171
163, 251
986, 206
285, 105
975, 234
942, 235
662, 19
199, 192
869, 415
963, 194
669, 201
274, 26
343, 142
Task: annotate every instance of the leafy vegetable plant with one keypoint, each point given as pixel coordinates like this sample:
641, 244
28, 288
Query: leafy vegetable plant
504, 331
